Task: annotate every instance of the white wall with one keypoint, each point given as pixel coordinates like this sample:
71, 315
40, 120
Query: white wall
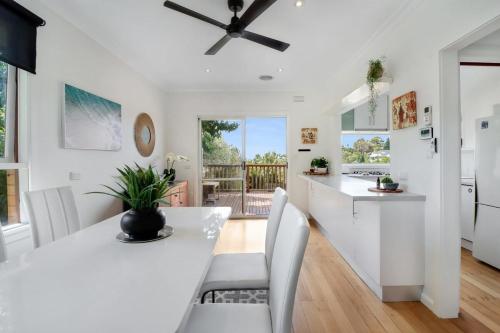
411, 44
182, 137
65, 54
480, 90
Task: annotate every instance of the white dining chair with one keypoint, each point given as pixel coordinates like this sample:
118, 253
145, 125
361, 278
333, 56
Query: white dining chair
238, 271
275, 317
3, 247
52, 214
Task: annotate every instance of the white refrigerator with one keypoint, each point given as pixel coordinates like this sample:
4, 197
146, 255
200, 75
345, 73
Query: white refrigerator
486, 246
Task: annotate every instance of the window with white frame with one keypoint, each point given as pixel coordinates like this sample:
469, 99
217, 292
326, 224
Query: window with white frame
367, 148
13, 172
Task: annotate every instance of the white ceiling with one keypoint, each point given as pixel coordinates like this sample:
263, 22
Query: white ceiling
168, 47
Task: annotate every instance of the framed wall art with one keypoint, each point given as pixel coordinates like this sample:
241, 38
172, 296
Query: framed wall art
90, 121
404, 111
309, 136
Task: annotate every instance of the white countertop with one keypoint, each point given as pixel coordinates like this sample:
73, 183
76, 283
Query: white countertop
358, 189
90, 282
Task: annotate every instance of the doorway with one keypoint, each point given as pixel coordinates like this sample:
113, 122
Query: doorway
454, 291
242, 161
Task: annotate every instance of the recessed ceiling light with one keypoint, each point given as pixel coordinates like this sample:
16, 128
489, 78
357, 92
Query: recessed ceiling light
266, 77
280, 70
299, 3
207, 70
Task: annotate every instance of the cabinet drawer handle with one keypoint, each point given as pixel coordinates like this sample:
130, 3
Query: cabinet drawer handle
469, 190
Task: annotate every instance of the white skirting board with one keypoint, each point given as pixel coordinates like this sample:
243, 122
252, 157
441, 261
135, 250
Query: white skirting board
467, 244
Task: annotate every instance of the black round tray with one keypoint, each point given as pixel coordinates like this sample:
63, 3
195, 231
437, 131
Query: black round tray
167, 231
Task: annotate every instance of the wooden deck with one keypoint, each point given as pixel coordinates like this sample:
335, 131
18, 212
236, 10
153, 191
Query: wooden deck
257, 203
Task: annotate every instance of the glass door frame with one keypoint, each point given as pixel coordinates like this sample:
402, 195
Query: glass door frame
242, 120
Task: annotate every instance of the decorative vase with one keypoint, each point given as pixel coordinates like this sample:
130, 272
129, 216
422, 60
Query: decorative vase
143, 224
170, 173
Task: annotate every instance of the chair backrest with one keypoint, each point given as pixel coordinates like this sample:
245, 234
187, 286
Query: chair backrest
280, 198
3, 248
288, 253
52, 213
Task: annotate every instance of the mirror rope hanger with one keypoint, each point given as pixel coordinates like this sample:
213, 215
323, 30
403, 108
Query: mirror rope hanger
236, 28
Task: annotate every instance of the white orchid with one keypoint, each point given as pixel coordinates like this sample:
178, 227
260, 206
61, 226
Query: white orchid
170, 159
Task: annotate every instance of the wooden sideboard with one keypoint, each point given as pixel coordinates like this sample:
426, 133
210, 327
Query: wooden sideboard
178, 195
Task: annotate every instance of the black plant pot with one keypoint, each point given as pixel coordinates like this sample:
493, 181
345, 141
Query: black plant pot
170, 173
143, 224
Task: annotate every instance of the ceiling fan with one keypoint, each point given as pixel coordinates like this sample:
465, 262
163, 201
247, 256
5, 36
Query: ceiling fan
236, 28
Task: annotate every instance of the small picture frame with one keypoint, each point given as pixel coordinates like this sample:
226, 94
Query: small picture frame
309, 136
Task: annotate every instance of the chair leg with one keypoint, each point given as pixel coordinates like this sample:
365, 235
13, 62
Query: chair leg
213, 296
203, 297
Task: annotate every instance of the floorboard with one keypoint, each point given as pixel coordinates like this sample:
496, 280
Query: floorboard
331, 298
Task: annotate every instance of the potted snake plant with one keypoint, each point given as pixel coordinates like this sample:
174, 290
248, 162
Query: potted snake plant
143, 189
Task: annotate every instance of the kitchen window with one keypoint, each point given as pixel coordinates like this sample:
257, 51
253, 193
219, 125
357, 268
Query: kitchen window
372, 148
13, 173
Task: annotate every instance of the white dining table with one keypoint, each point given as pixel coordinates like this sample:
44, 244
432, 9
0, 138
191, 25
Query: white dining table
90, 282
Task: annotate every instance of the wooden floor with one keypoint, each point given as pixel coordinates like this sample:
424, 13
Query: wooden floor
257, 203
331, 298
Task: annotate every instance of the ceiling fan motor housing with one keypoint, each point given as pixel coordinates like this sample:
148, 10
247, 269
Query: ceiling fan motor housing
235, 5
234, 29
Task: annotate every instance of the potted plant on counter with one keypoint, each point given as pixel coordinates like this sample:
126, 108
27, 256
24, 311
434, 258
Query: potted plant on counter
388, 184
320, 165
143, 189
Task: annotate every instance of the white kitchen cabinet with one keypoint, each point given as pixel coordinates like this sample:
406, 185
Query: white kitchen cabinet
367, 240
333, 209
380, 237
363, 120
467, 217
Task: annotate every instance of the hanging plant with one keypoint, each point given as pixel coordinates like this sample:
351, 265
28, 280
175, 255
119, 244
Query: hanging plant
375, 73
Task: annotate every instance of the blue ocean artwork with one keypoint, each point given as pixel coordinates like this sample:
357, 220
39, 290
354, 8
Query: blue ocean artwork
90, 121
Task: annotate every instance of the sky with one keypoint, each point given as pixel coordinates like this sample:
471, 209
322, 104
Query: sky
349, 139
262, 135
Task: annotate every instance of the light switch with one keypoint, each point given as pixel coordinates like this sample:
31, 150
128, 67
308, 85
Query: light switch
74, 176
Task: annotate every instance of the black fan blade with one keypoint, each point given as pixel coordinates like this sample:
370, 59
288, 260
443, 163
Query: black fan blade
254, 11
219, 45
184, 10
266, 41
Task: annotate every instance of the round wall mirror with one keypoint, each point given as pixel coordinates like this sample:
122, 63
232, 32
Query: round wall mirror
144, 134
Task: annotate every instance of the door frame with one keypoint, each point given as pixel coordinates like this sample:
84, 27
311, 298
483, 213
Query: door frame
448, 300
243, 116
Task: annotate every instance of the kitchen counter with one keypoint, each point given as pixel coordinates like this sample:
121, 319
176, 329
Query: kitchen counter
380, 235
358, 189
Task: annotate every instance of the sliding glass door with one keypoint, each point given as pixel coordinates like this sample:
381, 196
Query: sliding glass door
243, 160
223, 164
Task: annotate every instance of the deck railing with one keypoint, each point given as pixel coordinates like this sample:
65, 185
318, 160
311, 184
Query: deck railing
259, 177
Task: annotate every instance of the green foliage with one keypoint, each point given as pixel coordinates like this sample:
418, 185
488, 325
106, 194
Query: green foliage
269, 158
361, 150
3, 105
387, 180
319, 162
387, 144
141, 188
215, 149
221, 152
375, 72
